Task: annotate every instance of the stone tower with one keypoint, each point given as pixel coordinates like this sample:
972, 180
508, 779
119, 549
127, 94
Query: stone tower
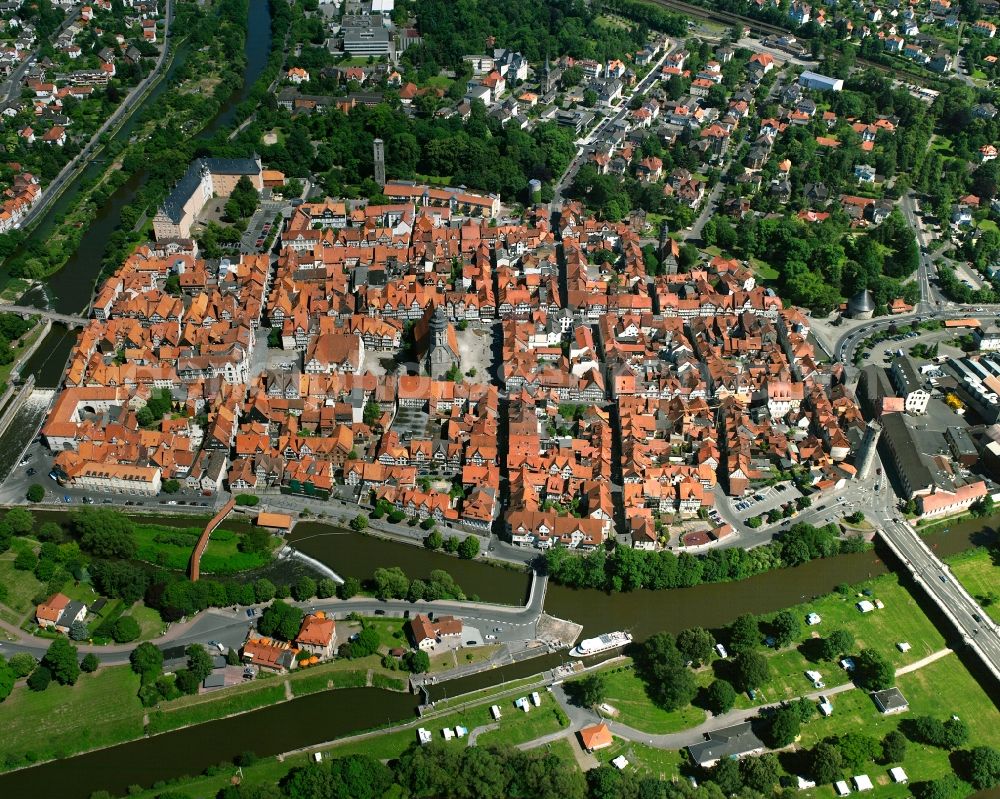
441, 356
869, 449
379, 152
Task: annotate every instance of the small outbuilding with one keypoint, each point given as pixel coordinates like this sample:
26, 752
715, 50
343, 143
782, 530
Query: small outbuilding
279, 522
862, 782
597, 736
841, 788
898, 775
890, 701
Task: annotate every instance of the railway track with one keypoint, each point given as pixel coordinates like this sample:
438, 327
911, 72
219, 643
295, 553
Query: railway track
755, 25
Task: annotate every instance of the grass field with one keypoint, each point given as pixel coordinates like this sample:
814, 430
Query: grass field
22, 587
658, 763
101, 709
627, 694
764, 269
171, 547
940, 689
518, 727
976, 570
900, 620
208, 710
312, 683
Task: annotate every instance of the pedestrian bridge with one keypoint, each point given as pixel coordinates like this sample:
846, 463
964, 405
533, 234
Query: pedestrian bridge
70, 320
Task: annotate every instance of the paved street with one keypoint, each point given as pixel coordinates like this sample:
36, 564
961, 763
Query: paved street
127, 106
511, 626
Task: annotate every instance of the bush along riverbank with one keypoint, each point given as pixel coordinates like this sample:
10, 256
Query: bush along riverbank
627, 569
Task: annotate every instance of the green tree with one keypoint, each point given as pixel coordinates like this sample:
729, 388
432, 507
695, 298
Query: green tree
367, 643
7, 679
858, 749
391, 583
199, 662
696, 644
350, 587
61, 661
668, 682
325, 588
783, 727
590, 691
984, 767
40, 679
78, 631
263, 590
434, 540
469, 547
359, 522
872, 671
105, 533
825, 763
726, 774
894, 747
89, 663
147, 661
786, 628
751, 670
21, 521
22, 664
171, 486
304, 588
760, 773
36, 493
744, 633
125, 629
280, 620
838, 642
417, 661
720, 697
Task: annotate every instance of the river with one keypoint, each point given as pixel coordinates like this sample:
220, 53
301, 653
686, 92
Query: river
314, 719
69, 290
276, 729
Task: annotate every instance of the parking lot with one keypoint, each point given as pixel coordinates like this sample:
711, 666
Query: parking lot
767, 499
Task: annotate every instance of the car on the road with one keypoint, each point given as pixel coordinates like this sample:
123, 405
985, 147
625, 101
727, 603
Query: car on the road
67, 498
491, 638
379, 612
942, 578
25, 460
31, 472
88, 501
470, 643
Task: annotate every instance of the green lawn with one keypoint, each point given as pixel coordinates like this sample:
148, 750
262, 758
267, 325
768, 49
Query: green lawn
171, 547
227, 703
150, 623
390, 631
101, 709
900, 620
976, 571
25, 341
309, 683
939, 689
656, 763
518, 727
764, 270
22, 587
988, 224
627, 694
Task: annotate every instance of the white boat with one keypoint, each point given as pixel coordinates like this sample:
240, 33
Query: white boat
594, 646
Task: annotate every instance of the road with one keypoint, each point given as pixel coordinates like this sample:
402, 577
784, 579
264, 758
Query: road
68, 173
597, 134
512, 626
10, 89
971, 621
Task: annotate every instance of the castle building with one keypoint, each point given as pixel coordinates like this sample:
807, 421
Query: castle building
204, 179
